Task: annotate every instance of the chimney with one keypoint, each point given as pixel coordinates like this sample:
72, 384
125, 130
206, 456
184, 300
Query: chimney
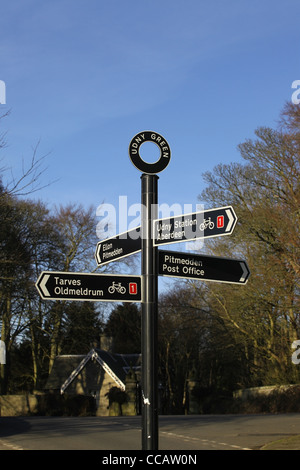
106, 343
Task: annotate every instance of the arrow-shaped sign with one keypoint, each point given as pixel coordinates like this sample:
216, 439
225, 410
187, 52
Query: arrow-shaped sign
43, 287
202, 267
124, 244
205, 224
89, 287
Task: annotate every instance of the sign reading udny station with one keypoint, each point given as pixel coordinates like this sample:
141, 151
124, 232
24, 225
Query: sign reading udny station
206, 224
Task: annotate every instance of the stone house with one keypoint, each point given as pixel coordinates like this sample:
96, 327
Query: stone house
98, 374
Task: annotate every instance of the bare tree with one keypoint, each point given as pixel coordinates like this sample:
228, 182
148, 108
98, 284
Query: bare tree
265, 192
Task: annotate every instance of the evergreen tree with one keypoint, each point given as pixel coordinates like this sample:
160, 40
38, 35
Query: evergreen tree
124, 325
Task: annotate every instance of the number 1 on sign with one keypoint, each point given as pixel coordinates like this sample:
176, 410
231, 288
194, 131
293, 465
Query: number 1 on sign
220, 221
133, 288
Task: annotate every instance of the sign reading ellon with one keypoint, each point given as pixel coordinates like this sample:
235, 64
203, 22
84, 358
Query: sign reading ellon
115, 248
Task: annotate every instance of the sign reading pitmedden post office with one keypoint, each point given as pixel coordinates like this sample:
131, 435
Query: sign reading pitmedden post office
202, 267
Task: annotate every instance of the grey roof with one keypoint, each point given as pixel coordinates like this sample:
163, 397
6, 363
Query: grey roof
67, 367
120, 364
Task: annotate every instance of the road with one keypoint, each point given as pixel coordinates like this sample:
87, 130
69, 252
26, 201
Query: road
203, 432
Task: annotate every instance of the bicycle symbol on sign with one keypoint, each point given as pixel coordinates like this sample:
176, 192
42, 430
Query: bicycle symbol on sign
207, 223
116, 287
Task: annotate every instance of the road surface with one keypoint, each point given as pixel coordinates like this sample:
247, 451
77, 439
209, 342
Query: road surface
202, 432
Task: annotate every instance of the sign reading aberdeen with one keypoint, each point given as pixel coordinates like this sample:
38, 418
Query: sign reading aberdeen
93, 287
209, 223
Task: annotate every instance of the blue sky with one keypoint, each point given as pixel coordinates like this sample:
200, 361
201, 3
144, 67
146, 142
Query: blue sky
83, 77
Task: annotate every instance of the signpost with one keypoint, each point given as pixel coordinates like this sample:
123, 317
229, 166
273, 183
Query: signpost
152, 233
92, 287
118, 247
205, 224
149, 386
150, 281
201, 267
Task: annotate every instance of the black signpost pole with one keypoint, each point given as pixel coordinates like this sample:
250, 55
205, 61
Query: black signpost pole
149, 316
149, 380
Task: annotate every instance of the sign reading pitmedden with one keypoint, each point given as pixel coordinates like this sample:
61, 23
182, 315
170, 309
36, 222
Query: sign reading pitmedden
53, 285
205, 224
115, 248
202, 267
